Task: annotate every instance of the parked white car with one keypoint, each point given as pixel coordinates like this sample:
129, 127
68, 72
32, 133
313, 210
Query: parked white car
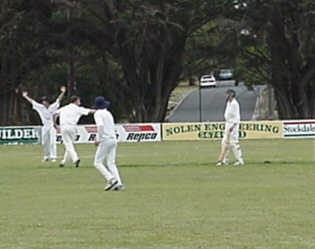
208, 81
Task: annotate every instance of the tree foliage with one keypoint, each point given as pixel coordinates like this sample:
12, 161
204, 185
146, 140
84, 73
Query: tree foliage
147, 39
136, 52
24, 47
279, 49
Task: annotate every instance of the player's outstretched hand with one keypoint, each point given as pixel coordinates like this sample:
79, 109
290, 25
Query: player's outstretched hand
63, 89
96, 143
24, 93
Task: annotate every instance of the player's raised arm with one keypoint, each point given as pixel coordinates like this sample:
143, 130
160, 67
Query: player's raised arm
25, 95
63, 91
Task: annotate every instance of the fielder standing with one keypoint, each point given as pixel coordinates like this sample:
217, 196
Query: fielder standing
231, 133
45, 111
106, 143
69, 116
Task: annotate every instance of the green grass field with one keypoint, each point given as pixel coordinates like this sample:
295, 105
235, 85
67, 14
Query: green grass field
175, 198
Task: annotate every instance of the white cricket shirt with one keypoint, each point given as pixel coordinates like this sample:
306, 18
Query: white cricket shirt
105, 124
70, 114
232, 112
46, 114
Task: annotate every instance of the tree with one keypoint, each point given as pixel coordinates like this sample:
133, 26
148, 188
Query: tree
280, 49
210, 48
23, 49
147, 39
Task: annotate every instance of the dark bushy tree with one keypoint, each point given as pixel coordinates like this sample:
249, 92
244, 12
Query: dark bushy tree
147, 39
279, 49
20, 22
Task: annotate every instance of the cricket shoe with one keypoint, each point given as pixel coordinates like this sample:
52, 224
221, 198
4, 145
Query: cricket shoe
61, 164
111, 183
220, 164
239, 163
119, 187
77, 163
45, 159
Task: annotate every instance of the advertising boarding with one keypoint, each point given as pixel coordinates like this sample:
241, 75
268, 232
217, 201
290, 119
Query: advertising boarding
20, 135
149, 132
215, 130
299, 129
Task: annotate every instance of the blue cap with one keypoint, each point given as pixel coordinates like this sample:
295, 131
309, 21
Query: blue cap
101, 103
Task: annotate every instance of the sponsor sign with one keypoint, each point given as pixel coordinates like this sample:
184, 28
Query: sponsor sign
261, 129
124, 132
215, 130
299, 129
84, 134
139, 132
20, 135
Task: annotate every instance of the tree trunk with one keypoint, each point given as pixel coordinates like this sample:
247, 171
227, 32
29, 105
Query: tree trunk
191, 80
292, 74
310, 92
3, 109
71, 85
285, 108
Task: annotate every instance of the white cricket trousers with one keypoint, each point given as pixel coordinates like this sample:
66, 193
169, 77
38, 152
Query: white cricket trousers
49, 142
234, 143
107, 150
68, 133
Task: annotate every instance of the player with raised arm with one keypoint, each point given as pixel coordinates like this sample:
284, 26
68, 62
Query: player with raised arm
231, 132
45, 110
69, 116
106, 143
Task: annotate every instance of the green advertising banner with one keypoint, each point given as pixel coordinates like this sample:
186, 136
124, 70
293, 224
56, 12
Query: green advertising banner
20, 135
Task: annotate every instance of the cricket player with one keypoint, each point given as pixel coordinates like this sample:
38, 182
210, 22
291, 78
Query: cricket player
45, 111
231, 133
106, 143
69, 116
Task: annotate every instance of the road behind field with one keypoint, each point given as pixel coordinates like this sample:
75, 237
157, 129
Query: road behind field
213, 104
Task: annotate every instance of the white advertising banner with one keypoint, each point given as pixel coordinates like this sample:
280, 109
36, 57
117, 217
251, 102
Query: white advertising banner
85, 134
150, 132
299, 129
